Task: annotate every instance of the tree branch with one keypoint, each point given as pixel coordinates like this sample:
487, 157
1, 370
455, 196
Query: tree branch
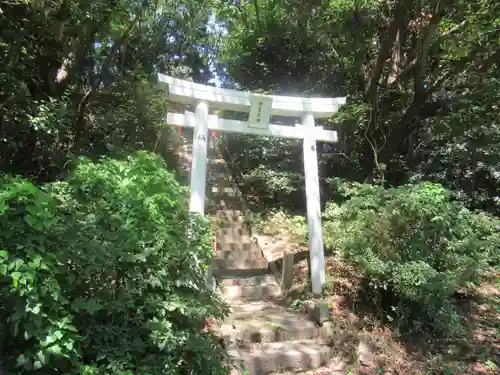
396, 59
413, 63
385, 49
462, 65
425, 45
73, 60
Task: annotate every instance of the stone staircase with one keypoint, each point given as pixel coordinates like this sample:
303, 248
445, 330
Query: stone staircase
262, 337
238, 263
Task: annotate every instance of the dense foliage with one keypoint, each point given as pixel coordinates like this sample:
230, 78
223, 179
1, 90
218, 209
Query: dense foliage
415, 245
422, 80
77, 77
263, 186
97, 274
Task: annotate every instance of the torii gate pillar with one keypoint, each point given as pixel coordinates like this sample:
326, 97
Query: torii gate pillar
316, 249
199, 162
199, 171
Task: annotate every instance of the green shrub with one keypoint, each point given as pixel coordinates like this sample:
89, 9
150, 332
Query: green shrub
283, 225
97, 274
416, 246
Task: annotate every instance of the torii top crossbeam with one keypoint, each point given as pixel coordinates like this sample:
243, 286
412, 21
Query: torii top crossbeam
261, 108
187, 92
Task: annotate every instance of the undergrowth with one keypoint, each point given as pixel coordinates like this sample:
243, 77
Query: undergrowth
97, 274
414, 246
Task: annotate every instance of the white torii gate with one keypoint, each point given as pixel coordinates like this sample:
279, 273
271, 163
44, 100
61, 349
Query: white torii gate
261, 107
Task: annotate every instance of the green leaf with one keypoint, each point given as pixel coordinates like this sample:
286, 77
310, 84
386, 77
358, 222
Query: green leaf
55, 349
21, 360
37, 365
91, 305
69, 345
71, 328
42, 357
15, 278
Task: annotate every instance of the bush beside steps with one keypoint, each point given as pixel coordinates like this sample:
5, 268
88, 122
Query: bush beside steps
97, 274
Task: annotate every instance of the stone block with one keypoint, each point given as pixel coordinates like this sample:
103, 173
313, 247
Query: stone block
281, 356
327, 331
321, 312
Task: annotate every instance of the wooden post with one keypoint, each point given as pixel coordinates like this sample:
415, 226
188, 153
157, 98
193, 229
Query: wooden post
287, 271
316, 253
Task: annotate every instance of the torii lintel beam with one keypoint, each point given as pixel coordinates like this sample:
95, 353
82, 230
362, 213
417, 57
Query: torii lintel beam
186, 92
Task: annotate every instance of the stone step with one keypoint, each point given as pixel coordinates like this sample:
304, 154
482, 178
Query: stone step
223, 186
229, 212
220, 181
227, 273
234, 215
280, 356
223, 191
216, 161
247, 310
241, 251
240, 247
251, 292
239, 235
226, 206
219, 177
224, 203
238, 254
185, 158
240, 264
214, 206
236, 228
233, 232
271, 327
226, 227
216, 167
249, 281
